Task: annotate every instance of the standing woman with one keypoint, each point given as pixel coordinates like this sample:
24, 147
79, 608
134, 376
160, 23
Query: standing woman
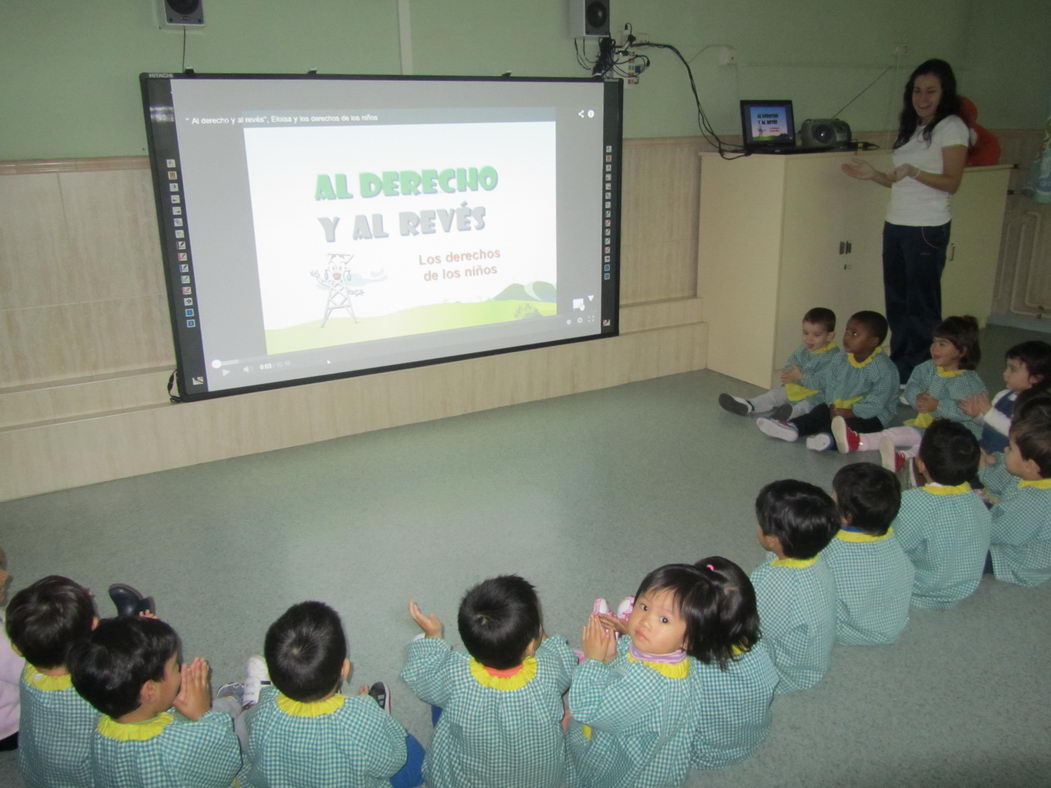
929, 157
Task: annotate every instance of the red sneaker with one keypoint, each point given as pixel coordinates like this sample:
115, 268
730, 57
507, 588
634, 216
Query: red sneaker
846, 439
891, 459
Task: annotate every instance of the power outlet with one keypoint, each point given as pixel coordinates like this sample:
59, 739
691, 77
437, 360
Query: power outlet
727, 56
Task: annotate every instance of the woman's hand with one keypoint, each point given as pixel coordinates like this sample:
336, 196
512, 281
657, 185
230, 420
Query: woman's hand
903, 171
860, 169
863, 171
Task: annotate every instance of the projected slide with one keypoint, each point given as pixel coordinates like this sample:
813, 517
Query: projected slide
315, 227
362, 234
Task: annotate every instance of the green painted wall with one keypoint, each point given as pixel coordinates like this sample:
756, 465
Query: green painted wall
70, 68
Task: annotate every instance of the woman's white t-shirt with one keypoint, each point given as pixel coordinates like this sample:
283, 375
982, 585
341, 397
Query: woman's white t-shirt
912, 203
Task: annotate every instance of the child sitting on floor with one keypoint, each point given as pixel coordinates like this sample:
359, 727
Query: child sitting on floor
802, 376
636, 700
794, 588
737, 685
735, 674
1020, 549
11, 668
873, 576
944, 526
935, 389
128, 669
860, 385
1028, 369
43, 622
306, 732
501, 707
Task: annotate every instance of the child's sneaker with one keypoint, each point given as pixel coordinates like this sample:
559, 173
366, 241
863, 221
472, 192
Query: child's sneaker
782, 412
781, 430
380, 692
256, 677
233, 689
847, 440
627, 604
822, 441
601, 608
130, 601
735, 405
891, 459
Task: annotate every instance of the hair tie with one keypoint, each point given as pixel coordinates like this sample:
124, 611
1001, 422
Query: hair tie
710, 567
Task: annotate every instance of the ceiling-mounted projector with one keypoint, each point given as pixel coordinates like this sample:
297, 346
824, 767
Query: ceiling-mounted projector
824, 132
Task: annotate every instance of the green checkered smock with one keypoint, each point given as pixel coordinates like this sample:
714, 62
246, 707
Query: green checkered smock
873, 579
734, 716
812, 364
343, 740
167, 751
874, 380
55, 731
1021, 535
489, 736
797, 616
642, 724
945, 533
948, 388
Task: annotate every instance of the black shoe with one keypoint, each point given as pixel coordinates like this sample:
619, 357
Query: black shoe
128, 601
381, 694
734, 405
781, 413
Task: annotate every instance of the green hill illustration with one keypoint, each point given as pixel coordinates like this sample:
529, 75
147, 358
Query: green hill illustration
515, 302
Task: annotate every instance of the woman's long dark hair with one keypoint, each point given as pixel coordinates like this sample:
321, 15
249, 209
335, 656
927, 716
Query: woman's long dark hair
949, 104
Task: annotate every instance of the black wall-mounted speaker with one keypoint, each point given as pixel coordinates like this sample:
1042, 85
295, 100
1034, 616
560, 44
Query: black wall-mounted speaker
182, 13
589, 18
822, 132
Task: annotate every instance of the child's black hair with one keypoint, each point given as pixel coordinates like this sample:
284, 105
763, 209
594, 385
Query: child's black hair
498, 619
47, 618
110, 667
1035, 354
1036, 406
868, 496
802, 516
949, 452
304, 650
820, 316
962, 331
1032, 436
874, 322
731, 619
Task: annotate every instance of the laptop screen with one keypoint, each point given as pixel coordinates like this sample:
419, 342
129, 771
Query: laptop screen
767, 124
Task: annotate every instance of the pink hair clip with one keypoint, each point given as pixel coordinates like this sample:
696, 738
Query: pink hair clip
710, 567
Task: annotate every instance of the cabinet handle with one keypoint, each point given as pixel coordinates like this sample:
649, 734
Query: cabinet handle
842, 246
850, 247
952, 252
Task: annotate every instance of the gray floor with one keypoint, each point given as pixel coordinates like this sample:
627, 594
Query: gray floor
582, 495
